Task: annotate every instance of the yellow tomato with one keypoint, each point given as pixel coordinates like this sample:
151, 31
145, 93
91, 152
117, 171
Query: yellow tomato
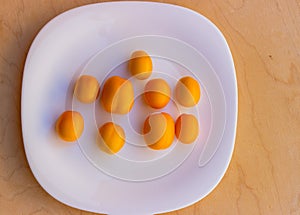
159, 131
186, 128
112, 137
86, 89
187, 91
117, 95
157, 93
140, 65
69, 126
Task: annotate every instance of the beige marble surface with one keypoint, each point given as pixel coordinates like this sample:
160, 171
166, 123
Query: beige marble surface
264, 174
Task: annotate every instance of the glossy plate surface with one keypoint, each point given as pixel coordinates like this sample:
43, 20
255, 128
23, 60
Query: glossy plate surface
68, 46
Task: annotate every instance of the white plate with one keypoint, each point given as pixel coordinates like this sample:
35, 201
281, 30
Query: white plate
61, 52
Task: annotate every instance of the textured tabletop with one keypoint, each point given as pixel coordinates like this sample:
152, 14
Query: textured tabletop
264, 174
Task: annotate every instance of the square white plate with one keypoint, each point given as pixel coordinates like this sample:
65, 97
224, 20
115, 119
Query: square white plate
62, 50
